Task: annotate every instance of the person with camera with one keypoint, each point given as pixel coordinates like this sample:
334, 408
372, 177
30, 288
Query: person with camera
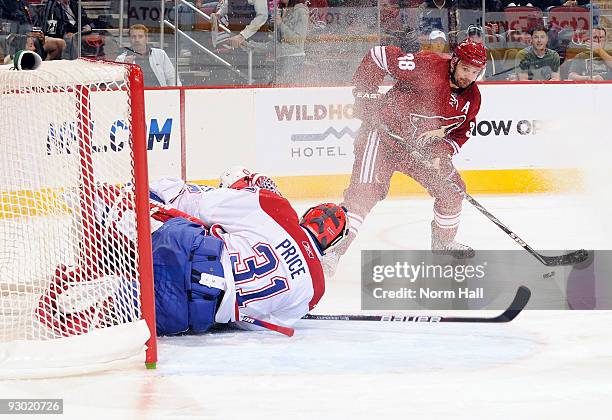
59, 20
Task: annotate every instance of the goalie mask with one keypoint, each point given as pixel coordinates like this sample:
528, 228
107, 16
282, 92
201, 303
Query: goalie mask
239, 177
328, 223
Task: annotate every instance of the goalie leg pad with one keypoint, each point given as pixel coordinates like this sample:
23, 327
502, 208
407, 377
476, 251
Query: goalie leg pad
183, 256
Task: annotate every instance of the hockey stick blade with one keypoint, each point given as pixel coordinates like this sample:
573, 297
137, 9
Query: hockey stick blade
572, 258
523, 294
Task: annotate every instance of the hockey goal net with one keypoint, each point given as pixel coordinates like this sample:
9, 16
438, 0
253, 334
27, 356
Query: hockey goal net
75, 296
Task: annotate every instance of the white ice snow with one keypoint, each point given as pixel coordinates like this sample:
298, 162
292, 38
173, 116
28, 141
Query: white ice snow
545, 364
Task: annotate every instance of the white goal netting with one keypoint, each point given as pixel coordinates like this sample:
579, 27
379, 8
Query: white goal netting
70, 286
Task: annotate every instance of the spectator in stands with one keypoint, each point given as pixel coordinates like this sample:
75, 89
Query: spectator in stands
475, 34
537, 62
257, 8
291, 26
154, 62
580, 67
59, 20
16, 14
569, 29
437, 42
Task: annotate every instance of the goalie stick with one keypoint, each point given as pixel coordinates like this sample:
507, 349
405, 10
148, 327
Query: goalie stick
288, 331
572, 258
518, 304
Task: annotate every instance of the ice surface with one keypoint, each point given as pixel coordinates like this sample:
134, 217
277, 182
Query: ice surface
545, 364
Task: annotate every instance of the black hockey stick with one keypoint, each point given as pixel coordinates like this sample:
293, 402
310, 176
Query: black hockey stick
518, 304
572, 258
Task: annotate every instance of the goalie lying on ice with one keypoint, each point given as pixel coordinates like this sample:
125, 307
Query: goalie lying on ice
219, 253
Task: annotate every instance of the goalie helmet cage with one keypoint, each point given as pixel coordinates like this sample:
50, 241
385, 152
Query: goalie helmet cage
76, 278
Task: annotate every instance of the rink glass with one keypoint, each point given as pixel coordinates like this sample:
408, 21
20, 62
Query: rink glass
339, 34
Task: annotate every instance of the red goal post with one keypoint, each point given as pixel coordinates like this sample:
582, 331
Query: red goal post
75, 296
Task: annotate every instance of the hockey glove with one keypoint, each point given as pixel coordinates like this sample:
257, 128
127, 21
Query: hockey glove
437, 152
438, 147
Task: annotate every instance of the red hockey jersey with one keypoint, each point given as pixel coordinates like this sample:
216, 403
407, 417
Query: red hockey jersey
421, 101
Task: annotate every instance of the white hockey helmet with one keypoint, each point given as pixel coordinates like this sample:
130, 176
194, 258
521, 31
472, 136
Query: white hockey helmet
239, 177
230, 176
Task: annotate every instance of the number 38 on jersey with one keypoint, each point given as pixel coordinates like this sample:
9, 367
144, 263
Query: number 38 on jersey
406, 62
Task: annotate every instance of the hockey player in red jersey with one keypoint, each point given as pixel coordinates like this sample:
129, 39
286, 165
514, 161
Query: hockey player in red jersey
432, 106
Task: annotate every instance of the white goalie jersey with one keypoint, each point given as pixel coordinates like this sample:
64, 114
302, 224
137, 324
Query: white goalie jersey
271, 262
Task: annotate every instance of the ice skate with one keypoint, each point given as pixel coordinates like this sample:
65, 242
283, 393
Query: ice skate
452, 248
443, 243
